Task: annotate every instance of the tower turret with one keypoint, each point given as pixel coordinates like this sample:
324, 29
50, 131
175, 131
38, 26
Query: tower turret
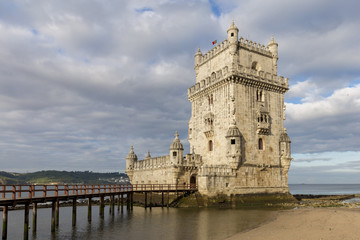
233, 144
148, 156
176, 151
285, 153
130, 159
233, 36
273, 48
198, 55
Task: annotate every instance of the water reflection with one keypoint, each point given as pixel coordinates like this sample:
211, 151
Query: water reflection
154, 224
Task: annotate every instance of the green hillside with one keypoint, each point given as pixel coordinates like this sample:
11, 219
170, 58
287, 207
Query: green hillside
62, 177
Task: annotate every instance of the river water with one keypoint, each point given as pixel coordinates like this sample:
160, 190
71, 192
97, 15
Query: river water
154, 224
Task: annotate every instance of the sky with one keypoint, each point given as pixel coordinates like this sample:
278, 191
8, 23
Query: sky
81, 81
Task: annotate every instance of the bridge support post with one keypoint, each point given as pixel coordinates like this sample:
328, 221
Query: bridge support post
26, 222
53, 216
34, 219
112, 206
74, 212
101, 207
57, 212
118, 202
162, 199
89, 209
168, 199
145, 200
122, 203
150, 200
5, 222
132, 201
128, 201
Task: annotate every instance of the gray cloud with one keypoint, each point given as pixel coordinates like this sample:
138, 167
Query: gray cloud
82, 81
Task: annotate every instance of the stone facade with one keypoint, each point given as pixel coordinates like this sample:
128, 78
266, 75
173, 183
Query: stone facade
236, 131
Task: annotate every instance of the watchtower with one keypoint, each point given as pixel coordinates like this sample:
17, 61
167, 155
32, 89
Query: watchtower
237, 118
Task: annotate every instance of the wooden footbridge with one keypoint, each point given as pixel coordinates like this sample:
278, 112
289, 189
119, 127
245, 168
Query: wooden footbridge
26, 196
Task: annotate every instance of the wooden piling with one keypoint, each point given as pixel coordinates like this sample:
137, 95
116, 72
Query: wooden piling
145, 200
128, 201
57, 212
53, 216
26, 221
89, 209
162, 199
132, 201
5, 222
101, 207
122, 203
168, 199
34, 219
118, 202
74, 212
150, 200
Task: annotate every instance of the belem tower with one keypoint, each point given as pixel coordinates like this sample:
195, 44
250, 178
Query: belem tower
236, 130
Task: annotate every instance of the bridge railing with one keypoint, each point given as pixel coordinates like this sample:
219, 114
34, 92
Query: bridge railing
32, 191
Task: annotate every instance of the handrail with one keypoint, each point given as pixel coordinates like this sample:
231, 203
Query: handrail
20, 191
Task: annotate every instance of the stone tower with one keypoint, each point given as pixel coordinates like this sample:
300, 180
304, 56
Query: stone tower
237, 118
236, 131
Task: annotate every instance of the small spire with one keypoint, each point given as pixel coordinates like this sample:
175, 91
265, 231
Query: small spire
148, 154
272, 41
131, 149
233, 26
176, 135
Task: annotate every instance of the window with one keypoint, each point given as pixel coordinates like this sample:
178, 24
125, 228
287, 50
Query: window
232, 34
232, 141
210, 145
174, 154
260, 96
261, 144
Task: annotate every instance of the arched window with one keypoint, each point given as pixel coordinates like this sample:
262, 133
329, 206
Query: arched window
174, 154
261, 144
210, 145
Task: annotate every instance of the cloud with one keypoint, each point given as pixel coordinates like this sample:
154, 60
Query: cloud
328, 124
82, 81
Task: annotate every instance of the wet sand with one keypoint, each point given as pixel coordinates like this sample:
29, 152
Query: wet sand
308, 223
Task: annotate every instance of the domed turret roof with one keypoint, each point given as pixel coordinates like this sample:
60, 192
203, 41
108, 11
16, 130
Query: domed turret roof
272, 41
233, 27
131, 154
233, 131
284, 137
176, 144
148, 156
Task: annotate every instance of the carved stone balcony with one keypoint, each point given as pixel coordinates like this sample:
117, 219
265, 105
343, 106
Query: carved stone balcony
263, 128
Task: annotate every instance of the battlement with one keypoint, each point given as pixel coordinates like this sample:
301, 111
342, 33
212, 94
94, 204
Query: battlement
254, 47
152, 163
245, 44
260, 78
203, 58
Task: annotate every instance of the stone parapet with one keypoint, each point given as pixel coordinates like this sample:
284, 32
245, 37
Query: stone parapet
244, 76
151, 163
246, 44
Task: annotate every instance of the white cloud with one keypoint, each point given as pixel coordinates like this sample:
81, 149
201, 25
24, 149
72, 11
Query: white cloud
81, 81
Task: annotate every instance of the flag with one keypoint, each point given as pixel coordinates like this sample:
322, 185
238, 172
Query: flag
214, 42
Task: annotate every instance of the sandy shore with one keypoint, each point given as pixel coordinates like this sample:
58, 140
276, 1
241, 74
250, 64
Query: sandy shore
308, 223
